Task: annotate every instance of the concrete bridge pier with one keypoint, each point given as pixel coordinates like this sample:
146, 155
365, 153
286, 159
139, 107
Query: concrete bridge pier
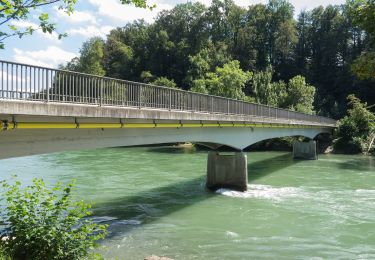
227, 171
305, 150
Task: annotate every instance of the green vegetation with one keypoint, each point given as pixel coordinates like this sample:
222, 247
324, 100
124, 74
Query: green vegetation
356, 131
305, 64
46, 223
227, 81
363, 15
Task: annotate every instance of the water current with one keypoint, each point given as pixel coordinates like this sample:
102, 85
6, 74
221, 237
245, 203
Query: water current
154, 201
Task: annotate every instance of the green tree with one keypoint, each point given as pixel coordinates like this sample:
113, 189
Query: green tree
46, 223
356, 131
300, 95
363, 15
126, 51
267, 92
227, 81
165, 82
90, 59
206, 60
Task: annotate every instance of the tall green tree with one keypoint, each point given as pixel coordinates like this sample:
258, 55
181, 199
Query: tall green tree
300, 95
267, 92
90, 59
362, 13
227, 81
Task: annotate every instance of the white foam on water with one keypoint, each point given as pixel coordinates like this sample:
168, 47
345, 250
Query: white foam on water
103, 219
263, 192
364, 191
231, 234
129, 222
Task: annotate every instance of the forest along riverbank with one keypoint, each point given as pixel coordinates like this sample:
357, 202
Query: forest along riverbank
155, 203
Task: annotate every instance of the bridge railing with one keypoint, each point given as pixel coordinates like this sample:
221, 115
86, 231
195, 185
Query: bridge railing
34, 83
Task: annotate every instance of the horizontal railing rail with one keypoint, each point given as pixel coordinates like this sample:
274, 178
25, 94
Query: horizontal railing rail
35, 83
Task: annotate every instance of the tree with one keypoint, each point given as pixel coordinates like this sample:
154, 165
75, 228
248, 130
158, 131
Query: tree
356, 131
267, 92
300, 95
164, 82
363, 15
90, 59
125, 52
46, 223
206, 60
227, 81
14, 10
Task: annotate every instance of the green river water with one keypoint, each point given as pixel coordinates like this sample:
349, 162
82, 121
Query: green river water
155, 202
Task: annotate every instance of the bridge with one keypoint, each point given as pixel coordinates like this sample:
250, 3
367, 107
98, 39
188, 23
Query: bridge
45, 110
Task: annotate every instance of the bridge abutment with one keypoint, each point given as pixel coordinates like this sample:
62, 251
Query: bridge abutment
305, 150
227, 171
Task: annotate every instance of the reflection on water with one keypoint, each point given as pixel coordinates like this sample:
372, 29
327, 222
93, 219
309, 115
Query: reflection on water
155, 202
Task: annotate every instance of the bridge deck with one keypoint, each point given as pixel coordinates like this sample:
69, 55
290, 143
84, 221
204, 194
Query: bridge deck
38, 94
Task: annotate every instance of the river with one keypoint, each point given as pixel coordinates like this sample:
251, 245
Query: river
155, 202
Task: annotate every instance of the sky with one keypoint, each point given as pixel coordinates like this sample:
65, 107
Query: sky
96, 18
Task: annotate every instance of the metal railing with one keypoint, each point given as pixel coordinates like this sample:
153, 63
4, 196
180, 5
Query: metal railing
34, 83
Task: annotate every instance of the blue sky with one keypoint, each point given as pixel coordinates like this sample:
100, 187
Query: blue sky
95, 18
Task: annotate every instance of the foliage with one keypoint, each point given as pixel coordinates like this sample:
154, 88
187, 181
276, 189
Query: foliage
267, 92
190, 41
227, 81
90, 59
22, 10
15, 10
357, 129
296, 95
300, 95
362, 13
163, 81
364, 66
46, 223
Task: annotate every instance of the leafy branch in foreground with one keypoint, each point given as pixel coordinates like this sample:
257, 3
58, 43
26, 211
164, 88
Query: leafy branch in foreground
44, 223
12, 11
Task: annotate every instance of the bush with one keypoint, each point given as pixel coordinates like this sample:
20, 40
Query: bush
355, 131
46, 223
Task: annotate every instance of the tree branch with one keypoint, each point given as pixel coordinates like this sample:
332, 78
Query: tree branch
32, 5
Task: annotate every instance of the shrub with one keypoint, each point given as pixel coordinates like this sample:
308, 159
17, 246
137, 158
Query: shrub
355, 131
46, 223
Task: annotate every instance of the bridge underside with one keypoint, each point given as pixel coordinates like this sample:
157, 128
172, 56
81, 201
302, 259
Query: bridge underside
23, 142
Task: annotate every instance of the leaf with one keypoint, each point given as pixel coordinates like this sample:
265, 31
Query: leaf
43, 17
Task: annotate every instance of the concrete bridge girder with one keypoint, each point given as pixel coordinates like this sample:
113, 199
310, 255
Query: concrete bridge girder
23, 142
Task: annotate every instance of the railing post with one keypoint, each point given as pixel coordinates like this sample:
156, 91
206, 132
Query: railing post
47, 86
212, 104
170, 99
101, 86
139, 95
228, 106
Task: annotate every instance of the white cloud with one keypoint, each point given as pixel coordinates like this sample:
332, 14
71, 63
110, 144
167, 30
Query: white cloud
50, 57
127, 13
90, 31
26, 24
76, 16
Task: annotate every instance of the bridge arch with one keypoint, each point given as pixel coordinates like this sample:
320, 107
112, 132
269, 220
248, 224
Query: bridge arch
37, 141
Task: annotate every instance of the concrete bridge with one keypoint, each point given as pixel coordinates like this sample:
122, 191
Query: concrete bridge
45, 110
